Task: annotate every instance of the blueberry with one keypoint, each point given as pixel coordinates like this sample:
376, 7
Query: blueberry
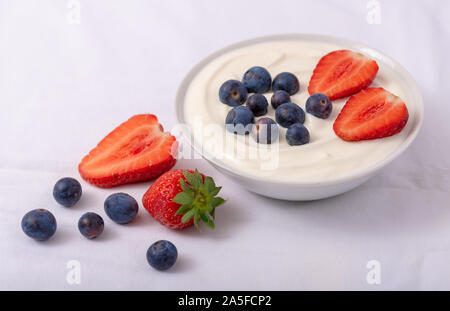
67, 192
286, 82
121, 208
258, 104
297, 135
257, 80
279, 98
289, 114
162, 255
240, 120
265, 131
91, 225
39, 224
233, 93
319, 105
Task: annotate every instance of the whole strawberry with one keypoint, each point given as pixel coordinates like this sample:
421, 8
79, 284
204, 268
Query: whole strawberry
180, 199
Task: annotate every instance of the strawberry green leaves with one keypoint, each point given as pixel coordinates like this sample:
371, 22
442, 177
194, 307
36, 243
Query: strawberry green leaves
199, 199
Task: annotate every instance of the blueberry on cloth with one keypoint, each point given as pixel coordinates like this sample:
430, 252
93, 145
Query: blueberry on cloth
39, 224
121, 208
67, 192
162, 255
91, 225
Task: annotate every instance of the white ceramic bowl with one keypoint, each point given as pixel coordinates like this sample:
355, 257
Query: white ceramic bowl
303, 191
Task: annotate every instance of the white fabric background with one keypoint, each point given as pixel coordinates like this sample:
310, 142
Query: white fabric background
64, 86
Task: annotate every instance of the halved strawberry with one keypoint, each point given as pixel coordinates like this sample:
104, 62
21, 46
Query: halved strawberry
342, 73
137, 150
371, 114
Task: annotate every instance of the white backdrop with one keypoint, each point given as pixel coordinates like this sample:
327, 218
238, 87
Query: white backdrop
64, 85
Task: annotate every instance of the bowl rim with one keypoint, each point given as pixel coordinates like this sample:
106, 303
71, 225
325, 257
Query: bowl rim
410, 81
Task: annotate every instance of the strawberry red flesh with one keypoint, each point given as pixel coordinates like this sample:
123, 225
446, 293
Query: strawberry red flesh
137, 150
371, 114
342, 73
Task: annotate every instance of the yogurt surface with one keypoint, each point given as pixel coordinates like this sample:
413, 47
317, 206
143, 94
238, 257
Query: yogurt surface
325, 157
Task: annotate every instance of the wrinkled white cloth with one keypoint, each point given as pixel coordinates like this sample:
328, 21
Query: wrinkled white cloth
67, 79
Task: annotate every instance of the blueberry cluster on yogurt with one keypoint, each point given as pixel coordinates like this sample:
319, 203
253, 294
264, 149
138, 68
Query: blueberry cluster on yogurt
248, 102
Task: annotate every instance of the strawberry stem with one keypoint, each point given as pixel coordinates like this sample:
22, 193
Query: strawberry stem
198, 199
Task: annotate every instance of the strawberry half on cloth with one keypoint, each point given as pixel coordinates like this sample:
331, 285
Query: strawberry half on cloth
137, 150
180, 199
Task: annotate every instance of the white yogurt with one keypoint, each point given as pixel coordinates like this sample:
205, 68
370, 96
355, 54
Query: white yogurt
325, 157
